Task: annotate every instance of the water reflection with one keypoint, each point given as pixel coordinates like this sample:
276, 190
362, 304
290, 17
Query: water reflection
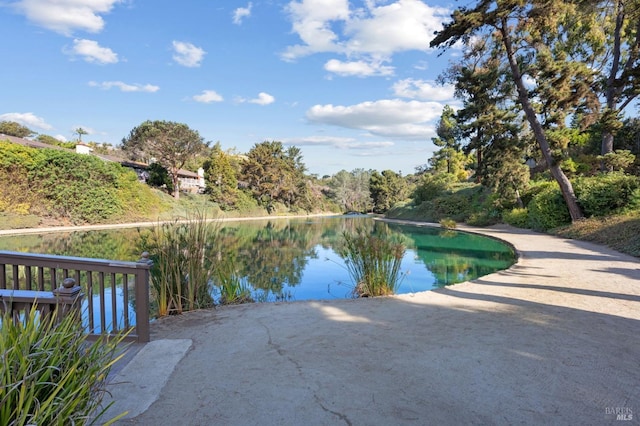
295, 259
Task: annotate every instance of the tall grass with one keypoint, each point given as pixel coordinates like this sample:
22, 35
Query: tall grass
233, 289
373, 263
182, 268
50, 375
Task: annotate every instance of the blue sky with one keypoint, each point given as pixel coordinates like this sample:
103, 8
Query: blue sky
352, 83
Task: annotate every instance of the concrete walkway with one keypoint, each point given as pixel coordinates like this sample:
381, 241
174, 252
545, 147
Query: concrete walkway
554, 340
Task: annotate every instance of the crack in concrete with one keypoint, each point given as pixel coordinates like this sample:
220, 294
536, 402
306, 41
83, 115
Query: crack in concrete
342, 416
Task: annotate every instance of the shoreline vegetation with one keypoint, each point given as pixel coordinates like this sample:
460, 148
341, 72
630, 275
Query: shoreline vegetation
148, 224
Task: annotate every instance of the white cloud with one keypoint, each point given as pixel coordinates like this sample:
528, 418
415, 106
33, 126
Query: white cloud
67, 16
124, 87
208, 96
425, 90
311, 20
242, 12
338, 142
358, 68
262, 99
393, 118
187, 54
374, 31
92, 52
27, 119
61, 138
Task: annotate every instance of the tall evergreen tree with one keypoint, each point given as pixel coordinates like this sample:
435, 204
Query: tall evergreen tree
618, 62
520, 30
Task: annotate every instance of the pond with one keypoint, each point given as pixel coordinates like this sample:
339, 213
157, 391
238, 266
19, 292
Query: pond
296, 259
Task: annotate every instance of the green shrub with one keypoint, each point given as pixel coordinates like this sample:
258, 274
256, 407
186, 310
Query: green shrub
448, 223
607, 193
516, 217
50, 374
484, 218
535, 188
431, 186
456, 206
547, 209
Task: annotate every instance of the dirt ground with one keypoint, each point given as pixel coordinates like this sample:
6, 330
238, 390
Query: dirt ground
553, 340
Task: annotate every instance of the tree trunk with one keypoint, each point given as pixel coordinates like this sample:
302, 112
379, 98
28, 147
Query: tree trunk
478, 164
176, 184
565, 185
607, 147
612, 93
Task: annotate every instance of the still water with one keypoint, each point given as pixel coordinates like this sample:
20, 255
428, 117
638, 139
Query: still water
296, 259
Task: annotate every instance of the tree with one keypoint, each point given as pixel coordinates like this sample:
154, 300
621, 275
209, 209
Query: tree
80, 131
449, 158
221, 178
387, 189
521, 30
275, 175
169, 143
351, 190
619, 63
487, 115
11, 128
159, 177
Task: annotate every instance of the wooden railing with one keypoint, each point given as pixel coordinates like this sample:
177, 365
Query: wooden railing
115, 295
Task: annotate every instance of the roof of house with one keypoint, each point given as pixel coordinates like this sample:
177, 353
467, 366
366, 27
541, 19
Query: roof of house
30, 143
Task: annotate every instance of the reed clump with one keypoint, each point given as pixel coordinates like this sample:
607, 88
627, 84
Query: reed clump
50, 374
373, 263
233, 288
181, 276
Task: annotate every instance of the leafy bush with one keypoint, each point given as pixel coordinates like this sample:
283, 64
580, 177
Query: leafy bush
535, 188
484, 218
159, 177
516, 217
547, 209
448, 223
430, 187
607, 193
74, 187
456, 206
50, 374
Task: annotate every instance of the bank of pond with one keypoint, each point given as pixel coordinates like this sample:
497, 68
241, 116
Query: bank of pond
297, 259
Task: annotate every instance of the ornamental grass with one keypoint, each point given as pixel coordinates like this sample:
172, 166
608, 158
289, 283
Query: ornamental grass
50, 374
182, 267
373, 263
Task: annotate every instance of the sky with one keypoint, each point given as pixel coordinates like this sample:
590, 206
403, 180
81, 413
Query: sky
351, 83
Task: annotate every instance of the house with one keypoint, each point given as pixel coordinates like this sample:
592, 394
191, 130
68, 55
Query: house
189, 181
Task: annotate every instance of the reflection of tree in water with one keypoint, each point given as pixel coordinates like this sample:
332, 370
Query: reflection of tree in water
272, 255
115, 244
455, 257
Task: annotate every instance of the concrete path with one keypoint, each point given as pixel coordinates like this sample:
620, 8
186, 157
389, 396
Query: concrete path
554, 340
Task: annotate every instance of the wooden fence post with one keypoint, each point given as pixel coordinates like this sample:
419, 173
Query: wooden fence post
142, 298
68, 299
